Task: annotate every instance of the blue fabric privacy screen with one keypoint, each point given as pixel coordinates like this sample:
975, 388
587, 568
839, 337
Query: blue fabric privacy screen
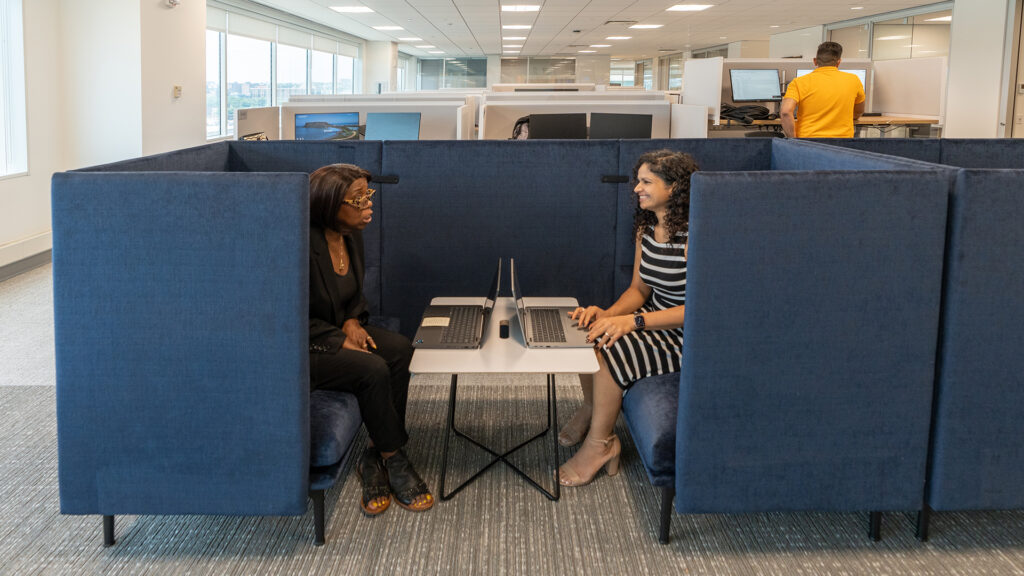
181, 321
811, 321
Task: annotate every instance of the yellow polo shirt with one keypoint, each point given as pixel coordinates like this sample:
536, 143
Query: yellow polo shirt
825, 99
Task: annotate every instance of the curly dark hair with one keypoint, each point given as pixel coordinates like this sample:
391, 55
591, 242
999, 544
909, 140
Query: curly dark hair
327, 188
675, 169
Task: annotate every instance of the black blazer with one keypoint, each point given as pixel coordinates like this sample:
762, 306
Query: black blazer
326, 310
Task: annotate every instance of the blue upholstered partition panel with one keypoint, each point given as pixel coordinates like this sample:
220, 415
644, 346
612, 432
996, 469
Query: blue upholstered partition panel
923, 149
811, 327
978, 462
983, 152
206, 158
181, 316
804, 155
302, 156
735, 154
459, 206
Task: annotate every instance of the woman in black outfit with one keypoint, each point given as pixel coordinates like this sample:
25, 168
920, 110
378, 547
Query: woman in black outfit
347, 355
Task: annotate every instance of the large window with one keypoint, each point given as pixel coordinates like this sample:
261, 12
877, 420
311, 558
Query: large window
452, 73
621, 73
13, 141
253, 62
538, 70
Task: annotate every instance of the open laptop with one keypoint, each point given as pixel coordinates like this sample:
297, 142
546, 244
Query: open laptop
546, 326
454, 327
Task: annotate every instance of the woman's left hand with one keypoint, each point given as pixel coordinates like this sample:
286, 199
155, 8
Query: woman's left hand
357, 335
608, 330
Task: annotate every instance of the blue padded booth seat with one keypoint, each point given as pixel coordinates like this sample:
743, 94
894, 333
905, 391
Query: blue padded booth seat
650, 407
811, 328
977, 456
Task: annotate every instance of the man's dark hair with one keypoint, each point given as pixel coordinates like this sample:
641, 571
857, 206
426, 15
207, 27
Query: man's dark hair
829, 53
327, 188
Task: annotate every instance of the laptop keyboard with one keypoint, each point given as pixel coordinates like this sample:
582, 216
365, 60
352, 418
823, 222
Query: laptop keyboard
546, 324
462, 326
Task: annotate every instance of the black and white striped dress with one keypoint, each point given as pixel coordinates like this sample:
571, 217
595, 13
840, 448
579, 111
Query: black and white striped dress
651, 352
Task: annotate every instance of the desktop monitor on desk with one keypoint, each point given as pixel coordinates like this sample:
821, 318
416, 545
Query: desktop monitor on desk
558, 126
327, 126
392, 126
616, 126
761, 85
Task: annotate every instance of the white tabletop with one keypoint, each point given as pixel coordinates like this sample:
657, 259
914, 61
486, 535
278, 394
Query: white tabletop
505, 355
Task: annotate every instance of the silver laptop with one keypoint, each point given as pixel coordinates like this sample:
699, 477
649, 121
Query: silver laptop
546, 326
454, 327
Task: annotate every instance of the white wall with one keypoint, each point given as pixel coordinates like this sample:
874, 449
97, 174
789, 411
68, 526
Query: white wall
749, 49
102, 73
978, 54
380, 65
173, 49
25, 199
801, 43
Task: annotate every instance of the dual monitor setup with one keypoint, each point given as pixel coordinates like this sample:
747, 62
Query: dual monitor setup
602, 126
765, 85
345, 126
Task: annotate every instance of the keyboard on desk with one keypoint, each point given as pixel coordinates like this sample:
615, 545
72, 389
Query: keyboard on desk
463, 325
546, 324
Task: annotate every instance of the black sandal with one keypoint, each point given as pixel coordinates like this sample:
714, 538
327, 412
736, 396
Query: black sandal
375, 481
406, 484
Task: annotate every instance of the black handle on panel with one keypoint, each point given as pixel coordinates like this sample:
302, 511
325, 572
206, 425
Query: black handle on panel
614, 179
385, 179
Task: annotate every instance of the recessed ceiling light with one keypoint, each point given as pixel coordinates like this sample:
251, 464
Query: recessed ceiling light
722, 37
388, 28
618, 38
892, 38
646, 26
411, 39
511, 45
352, 9
774, 26
436, 52
516, 27
600, 45
689, 7
856, 7
520, 8
513, 37
587, 51
940, 19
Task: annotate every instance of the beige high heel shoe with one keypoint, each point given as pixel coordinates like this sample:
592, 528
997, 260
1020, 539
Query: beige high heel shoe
568, 476
575, 430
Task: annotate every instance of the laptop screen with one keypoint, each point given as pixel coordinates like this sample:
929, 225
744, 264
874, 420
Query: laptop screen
517, 295
492, 296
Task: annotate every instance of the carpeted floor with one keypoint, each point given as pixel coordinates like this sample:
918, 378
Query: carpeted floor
498, 525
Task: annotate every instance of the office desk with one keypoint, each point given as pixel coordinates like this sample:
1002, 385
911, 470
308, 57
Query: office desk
880, 122
503, 356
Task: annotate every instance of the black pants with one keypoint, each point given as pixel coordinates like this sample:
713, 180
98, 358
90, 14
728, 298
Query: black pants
379, 380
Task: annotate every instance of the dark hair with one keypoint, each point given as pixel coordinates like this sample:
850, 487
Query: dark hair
327, 188
829, 53
675, 169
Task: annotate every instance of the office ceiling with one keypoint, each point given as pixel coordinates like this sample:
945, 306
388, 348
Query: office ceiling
564, 27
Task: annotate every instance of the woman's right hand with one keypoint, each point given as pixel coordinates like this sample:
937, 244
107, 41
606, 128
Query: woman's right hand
586, 316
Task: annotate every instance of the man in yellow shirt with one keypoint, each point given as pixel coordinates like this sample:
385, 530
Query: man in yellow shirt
829, 100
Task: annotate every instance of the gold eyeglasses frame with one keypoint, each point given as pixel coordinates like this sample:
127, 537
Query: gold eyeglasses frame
360, 202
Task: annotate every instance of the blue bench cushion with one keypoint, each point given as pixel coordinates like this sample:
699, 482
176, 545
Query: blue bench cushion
334, 421
650, 409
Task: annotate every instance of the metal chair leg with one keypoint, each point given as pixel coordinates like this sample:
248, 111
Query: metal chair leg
318, 517
668, 494
875, 526
108, 531
923, 518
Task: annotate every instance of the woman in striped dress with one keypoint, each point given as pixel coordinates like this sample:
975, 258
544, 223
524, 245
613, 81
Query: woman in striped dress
642, 333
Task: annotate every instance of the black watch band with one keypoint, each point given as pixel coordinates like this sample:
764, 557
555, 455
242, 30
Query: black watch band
638, 321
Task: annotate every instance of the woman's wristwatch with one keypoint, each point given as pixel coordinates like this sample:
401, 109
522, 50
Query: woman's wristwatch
638, 321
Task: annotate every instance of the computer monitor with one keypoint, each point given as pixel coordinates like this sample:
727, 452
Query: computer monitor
859, 73
606, 125
761, 85
392, 126
327, 126
558, 126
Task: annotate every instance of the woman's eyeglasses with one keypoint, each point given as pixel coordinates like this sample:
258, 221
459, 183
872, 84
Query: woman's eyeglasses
361, 201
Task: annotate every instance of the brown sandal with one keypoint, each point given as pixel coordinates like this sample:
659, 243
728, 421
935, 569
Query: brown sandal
406, 484
375, 482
